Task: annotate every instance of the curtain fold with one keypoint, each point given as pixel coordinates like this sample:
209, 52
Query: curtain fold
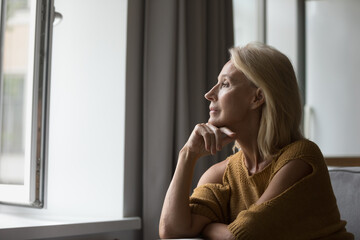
185, 45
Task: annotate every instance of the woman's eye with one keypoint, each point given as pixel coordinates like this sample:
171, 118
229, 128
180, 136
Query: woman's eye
224, 84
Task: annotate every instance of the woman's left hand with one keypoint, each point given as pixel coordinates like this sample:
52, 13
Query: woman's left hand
217, 231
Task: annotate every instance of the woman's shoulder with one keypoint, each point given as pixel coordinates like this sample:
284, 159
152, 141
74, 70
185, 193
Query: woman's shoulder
214, 174
300, 148
303, 149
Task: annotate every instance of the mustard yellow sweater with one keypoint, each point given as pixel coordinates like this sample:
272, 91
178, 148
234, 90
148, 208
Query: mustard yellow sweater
307, 210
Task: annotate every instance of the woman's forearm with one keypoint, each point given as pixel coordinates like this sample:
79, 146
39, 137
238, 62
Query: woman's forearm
175, 220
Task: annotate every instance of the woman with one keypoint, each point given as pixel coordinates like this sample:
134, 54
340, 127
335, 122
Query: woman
277, 185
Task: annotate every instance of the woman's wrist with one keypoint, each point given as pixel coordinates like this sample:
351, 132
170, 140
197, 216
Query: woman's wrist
187, 155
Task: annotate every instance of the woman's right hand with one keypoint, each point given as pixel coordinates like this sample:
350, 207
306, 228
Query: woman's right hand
207, 139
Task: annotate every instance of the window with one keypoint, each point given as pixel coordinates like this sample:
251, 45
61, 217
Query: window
85, 163
25, 36
249, 21
84, 178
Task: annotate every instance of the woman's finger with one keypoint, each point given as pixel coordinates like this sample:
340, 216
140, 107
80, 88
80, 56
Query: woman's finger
228, 132
204, 137
228, 136
226, 141
218, 136
223, 136
209, 139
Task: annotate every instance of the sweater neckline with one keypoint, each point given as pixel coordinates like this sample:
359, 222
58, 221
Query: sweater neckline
260, 173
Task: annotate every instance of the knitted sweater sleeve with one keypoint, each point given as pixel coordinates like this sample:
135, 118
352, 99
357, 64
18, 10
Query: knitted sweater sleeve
211, 201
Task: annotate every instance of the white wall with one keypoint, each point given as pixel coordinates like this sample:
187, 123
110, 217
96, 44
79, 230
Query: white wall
86, 144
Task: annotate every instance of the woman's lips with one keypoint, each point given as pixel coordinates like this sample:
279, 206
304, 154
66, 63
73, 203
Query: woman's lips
213, 110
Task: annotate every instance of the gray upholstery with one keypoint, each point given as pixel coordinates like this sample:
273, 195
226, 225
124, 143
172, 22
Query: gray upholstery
346, 185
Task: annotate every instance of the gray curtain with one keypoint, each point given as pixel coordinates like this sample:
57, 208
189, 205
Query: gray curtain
185, 45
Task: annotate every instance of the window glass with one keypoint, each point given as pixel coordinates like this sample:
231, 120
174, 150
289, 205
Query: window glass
248, 21
13, 91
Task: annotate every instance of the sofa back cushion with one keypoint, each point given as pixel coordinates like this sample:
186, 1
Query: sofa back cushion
346, 185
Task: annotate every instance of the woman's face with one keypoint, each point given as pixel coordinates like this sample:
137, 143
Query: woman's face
231, 98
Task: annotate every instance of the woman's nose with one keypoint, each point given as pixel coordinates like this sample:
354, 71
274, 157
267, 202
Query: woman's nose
212, 94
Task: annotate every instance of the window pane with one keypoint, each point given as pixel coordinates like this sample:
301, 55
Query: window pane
246, 21
13, 91
12, 146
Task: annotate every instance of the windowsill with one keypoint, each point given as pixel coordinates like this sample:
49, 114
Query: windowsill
17, 227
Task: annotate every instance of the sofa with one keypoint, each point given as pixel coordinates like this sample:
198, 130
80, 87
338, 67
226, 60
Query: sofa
346, 185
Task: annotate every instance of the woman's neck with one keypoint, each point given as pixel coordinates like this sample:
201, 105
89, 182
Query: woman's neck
246, 137
254, 161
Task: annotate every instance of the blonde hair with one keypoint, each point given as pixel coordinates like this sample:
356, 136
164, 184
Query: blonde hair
272, 71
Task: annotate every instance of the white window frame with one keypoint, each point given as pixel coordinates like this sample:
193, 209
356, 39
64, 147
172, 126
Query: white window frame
36, 108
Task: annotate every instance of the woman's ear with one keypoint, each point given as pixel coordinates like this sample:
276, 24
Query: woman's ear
259, 98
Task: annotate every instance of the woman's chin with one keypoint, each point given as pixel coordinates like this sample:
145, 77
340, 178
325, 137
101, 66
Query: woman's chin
216, 123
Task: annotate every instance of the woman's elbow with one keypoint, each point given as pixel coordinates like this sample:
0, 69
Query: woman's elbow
164, 232
168, 232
